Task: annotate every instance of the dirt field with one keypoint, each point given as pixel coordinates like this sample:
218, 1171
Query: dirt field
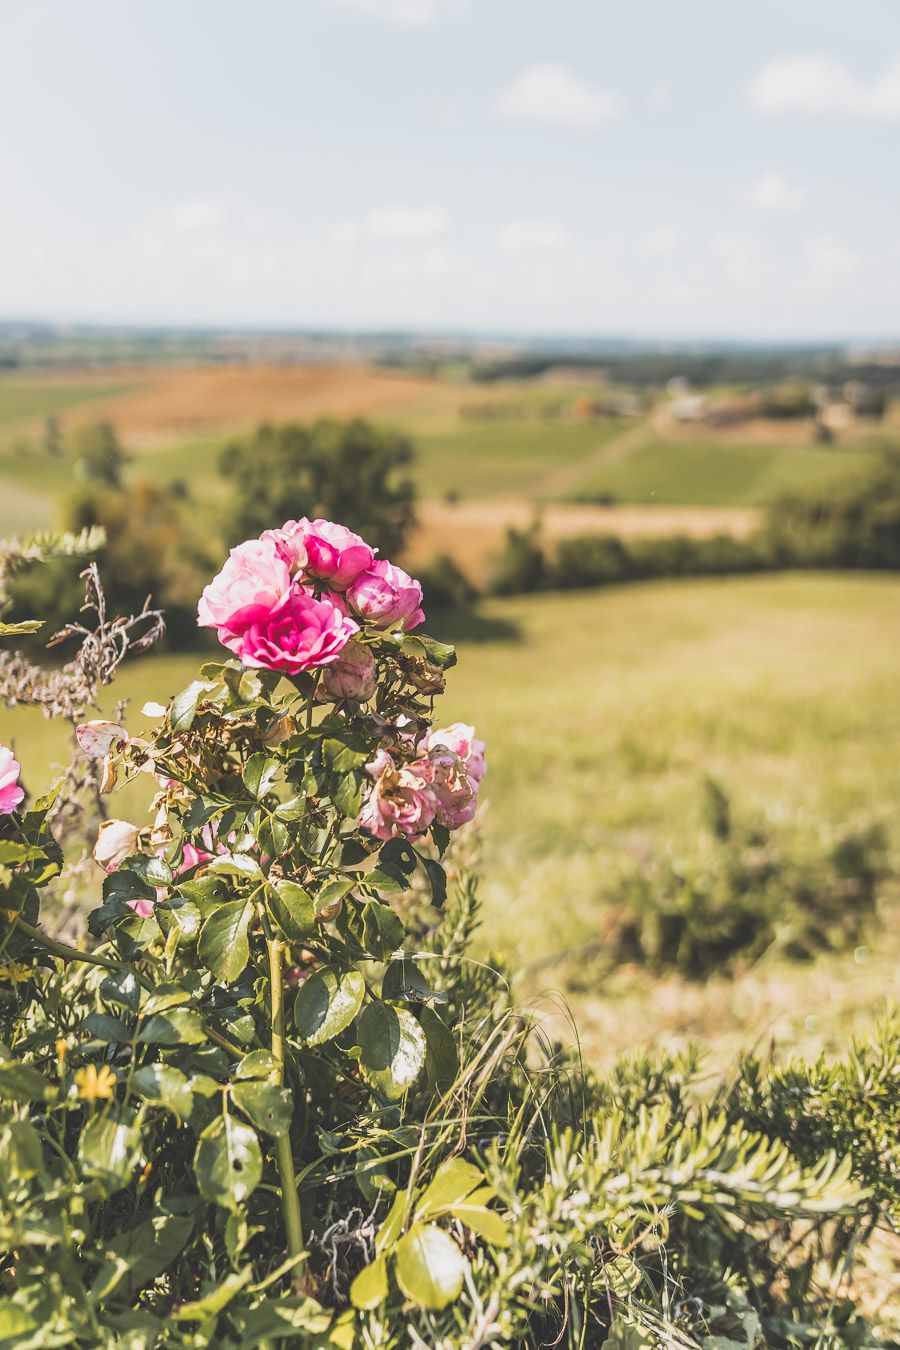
472, 531
172, 403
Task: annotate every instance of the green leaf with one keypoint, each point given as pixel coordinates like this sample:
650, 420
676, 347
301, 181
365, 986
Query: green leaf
17, 629
292, 909
348, 793
106, 1028
109, 1151
404, 980
258, 1064
442, 1063
167, 1085
18, 1082
327, 1003
454, 1180
223, 946
438, 653
228, 1163
437, 878
235, 865
387, 879
260, 773
370, 1288
181, 914
141, 1254
122, 987
331, 893
269, 1107
184, 705
166, 996
429, 1266
20, 1149
392, 1048
180, 1026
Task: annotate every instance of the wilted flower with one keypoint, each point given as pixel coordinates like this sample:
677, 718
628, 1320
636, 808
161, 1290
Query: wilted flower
402, 801
116, 841
352, 675
96, 737
455, 793
11, 793
461, 739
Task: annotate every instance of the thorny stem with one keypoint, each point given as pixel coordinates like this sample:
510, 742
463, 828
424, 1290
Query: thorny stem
290, 1200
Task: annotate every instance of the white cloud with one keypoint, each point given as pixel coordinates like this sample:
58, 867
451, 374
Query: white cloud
772, 193
405, 224
533, 236
552, 93
829, 260
659, 242
817, 84
406, 13
739, 255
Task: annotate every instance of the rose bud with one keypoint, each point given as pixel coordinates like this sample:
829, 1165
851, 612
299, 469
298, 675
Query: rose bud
116, 841
352, 675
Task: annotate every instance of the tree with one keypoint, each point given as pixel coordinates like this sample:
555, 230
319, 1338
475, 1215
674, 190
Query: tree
99, 455
348, 471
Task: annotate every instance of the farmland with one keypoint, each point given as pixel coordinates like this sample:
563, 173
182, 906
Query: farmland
783, 689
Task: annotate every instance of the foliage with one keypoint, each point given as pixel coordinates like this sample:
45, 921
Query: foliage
349, 471
740, 889
266, 1109
521, 566
99, 456
855, 524
150, 551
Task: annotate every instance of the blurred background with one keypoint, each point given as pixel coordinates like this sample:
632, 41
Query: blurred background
591, 315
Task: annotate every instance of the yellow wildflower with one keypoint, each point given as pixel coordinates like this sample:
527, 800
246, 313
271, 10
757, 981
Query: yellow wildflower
16, 972
95, 1084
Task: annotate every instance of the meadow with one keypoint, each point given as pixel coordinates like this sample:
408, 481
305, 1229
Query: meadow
603, 713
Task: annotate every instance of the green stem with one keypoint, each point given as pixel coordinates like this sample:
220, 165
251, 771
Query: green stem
290, 1200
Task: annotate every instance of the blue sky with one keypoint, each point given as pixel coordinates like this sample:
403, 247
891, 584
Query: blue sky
555, 166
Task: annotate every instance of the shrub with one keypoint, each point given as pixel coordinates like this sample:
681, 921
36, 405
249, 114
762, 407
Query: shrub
521, 566
741, 889
262, 1110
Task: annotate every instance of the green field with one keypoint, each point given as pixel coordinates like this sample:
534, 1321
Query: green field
709, 473
603, 712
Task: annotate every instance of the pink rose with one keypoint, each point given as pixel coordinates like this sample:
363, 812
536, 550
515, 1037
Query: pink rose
302, 634
116, 841
461, 739
385, 596
352, 675
333, 553
10, 792
455, 793
255, 580
142, 908
289, 543
402, 801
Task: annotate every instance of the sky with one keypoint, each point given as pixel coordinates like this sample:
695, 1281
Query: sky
580, 167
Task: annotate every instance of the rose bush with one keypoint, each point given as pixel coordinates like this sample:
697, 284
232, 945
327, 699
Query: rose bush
256, 1112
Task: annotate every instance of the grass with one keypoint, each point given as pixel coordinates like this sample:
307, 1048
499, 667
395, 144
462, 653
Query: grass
24, 400
710, 473
603, 712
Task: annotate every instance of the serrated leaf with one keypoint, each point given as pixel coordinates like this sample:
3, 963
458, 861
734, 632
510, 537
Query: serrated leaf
228, 1163
166, 996
429, 1266
223, 946
258, 1064
259, 774
327, 1003
330, 894
269, 1107
140, 1254
184, 705
392, 1048
235, 865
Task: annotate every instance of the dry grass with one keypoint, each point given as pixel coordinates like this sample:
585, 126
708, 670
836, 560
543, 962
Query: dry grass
170, 403
471, 532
